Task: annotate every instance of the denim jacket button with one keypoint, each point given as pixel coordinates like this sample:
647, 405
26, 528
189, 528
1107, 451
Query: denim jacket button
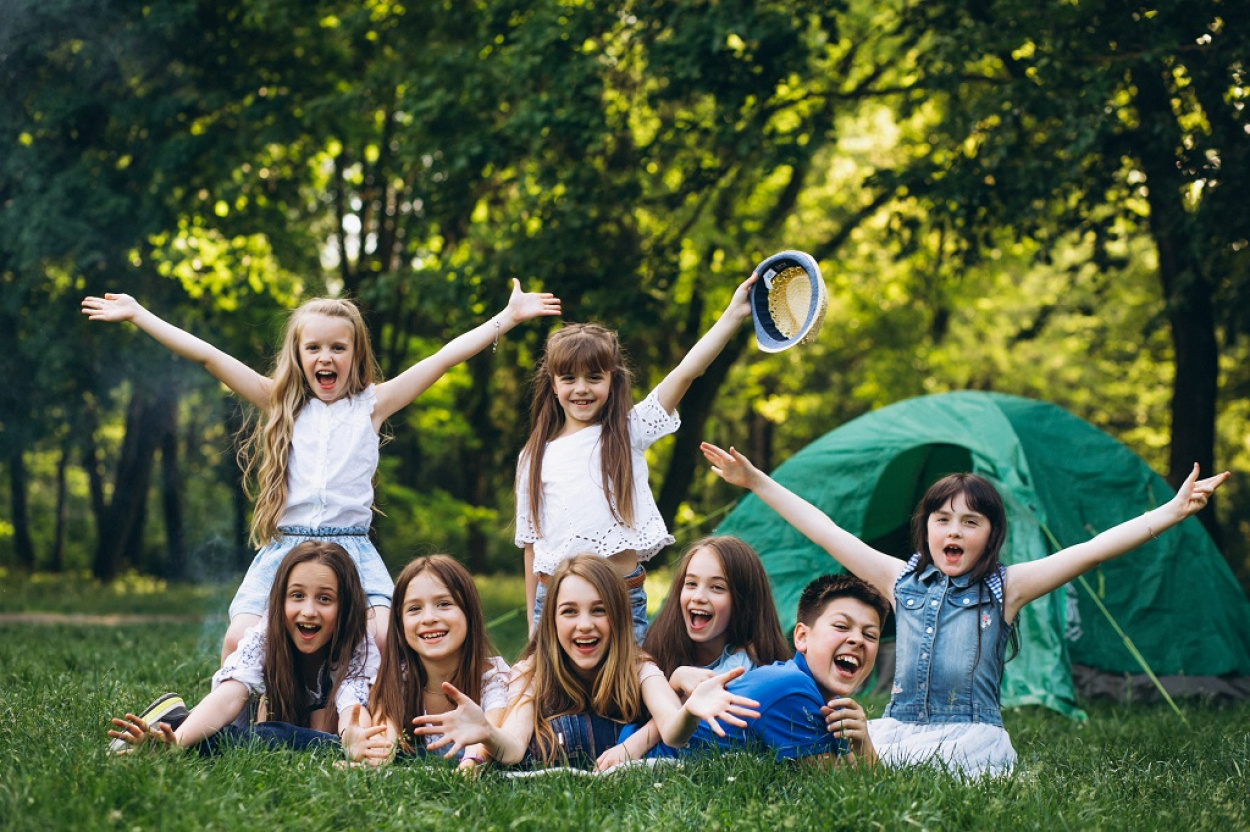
911, 601
933, 603
928, 630
967, 601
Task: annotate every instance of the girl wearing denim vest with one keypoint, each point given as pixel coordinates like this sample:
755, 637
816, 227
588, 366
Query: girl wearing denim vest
955, 605
314, 452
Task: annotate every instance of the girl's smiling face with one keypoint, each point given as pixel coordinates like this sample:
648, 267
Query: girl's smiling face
582, 625
957, 536
326, 353
706, 603
435, 626
582, 397
311, 607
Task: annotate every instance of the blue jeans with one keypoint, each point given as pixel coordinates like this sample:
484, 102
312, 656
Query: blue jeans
637, 605
580, 739
272, 735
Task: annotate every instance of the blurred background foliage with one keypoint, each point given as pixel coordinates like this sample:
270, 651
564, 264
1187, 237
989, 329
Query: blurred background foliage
1039, 200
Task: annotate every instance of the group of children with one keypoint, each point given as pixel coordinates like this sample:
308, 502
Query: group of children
323, 649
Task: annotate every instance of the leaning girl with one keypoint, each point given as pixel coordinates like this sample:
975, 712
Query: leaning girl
955, 604
437, 635
303, 674
581, 679
581, 483
719, 615
315, 452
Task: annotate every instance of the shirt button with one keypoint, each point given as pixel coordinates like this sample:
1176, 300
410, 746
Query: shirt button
911, 601
933, 603
967, 601
928, 629
924, 655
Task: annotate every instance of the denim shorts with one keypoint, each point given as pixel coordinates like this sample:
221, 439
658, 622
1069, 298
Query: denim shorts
253, 594
637, 605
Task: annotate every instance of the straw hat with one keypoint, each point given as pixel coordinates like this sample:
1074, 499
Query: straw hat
788, 301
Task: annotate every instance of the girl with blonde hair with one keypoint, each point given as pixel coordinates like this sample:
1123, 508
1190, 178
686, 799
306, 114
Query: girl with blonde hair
314, 452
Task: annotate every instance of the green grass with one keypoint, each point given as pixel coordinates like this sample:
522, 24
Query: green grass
1127, 768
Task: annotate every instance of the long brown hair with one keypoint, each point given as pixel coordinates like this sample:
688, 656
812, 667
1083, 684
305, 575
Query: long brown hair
753, 622
398, 695
266, 453
283, 666
553, 680
583, 349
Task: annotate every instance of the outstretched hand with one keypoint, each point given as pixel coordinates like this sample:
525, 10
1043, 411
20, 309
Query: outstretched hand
527, 305
111, 308
710, 701
464, 725
1194, 494
134, 731
731, 466
364, 742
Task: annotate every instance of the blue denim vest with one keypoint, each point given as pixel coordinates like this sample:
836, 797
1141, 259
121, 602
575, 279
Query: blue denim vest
958, 678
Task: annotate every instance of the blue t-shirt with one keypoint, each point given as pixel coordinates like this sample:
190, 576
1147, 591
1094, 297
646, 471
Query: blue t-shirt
790, 725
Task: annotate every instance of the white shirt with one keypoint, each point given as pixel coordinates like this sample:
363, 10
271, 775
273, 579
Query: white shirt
246, 665
575, 515
334, 454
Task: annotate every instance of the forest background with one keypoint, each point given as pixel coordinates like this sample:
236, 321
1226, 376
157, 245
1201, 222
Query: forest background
1046, 200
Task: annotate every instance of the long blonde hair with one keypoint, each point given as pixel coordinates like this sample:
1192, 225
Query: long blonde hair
556, 687
267, 451
578, 349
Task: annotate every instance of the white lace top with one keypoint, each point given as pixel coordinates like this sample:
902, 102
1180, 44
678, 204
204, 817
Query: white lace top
246, 665
334, 454
575, 516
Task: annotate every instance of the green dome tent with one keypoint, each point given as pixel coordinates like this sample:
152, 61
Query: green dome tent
1062, 480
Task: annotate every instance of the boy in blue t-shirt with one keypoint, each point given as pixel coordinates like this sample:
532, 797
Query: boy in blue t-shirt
805, 707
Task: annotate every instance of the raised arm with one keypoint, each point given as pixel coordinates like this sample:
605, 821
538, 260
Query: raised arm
670, 391
231, 372
399, 392
857, 557
1027, 581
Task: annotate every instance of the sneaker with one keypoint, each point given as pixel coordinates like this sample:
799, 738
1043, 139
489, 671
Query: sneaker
168, 708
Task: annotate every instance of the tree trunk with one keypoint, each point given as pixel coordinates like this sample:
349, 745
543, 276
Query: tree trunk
17, 504
695, 408
121, 532
1187, 291
56, 559
171, 502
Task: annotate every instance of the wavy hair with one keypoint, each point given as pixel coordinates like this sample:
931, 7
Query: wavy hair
266, 453
283, 667
583, 349
398, 695
552, 679
753, 622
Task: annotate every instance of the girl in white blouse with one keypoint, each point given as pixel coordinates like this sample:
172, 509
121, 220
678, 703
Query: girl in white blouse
315, 451
581, 484
437, 634
304, 673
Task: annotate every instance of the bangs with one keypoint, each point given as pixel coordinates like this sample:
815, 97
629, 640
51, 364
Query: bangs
580, 353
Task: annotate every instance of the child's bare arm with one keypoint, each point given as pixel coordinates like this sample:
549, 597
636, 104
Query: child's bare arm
531, 587
860, 559
231, 372
400, 391
1027, 581
635, 747
669, 392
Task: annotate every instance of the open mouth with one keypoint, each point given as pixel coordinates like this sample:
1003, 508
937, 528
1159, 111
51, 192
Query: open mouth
326, 379
434, 636
847, 664
308, 631
953, 552
586, 644
698, 619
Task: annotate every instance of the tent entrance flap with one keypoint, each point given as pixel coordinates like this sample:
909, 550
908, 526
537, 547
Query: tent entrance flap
887, 520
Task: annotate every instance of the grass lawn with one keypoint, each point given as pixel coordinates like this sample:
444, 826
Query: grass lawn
1127, 768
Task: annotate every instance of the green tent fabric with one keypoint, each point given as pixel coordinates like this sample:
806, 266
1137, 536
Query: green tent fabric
1175, 597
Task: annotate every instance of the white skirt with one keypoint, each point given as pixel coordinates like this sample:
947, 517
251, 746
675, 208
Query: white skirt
969, 749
